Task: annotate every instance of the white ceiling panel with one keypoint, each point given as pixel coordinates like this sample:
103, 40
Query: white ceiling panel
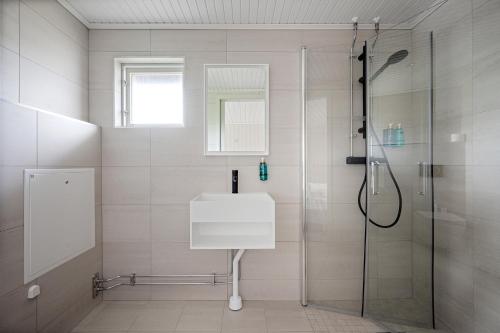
144, 13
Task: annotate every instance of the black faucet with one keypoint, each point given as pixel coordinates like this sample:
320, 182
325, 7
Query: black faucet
235, 181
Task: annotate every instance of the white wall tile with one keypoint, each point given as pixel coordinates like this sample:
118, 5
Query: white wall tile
346, 289
279, 263
101, 107
486, 248
125, 185
59, 296
264, 40
393, 259
453, 315
173, 185
198, 293
487, 302
24, 318
11, 259
188, 149
126, 223
9, 70
288, 222
60, 18
336, 222
125, 146
188, 40
12, 197
46, 90
328, 70
18, 125
284, 108
119, 40
485, 138
268, 289
485, 192
335, 260
177, 258
333, 40
170, 223
282, 184
127, 257
126, 293
194, 108
344, 177
194, 64
67, 142
394, 288
280, 63
284, 147
44, 44
454, 280
9, 26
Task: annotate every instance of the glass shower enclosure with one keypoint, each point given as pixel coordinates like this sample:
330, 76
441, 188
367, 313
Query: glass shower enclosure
369, 228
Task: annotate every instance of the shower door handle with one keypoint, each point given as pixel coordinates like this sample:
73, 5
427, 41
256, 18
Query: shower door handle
374, 165
422, 171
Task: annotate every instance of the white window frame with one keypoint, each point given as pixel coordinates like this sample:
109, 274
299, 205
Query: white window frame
124, 67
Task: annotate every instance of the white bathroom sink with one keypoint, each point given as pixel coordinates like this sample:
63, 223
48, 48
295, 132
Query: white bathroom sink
232, 221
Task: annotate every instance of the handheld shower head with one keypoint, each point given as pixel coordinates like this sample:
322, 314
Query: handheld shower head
395, 58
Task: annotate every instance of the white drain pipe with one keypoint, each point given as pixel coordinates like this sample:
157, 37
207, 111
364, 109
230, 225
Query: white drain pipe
235, 302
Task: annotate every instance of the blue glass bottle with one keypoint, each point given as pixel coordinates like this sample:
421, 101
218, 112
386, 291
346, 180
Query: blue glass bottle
389, 136
399, 136
263, 169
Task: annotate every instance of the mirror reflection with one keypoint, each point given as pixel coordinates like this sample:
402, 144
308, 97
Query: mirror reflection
236, 109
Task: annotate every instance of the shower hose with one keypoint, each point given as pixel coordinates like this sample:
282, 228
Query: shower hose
393, 178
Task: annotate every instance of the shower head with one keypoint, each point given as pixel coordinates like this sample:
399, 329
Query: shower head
395, 58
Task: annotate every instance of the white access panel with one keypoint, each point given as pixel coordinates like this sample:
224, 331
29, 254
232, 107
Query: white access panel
59, 217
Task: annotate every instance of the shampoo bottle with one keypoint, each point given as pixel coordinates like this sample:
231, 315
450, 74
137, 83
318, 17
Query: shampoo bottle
263, 169
399, 136
388, 136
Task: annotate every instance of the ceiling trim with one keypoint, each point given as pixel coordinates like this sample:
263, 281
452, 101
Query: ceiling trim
178, 26
74, 12
174, 26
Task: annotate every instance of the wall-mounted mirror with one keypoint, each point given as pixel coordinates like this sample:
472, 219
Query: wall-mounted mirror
236, 109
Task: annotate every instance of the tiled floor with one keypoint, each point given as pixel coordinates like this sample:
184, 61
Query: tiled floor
214, 316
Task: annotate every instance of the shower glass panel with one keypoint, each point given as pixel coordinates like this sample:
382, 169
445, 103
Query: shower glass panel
399, 260
335, 226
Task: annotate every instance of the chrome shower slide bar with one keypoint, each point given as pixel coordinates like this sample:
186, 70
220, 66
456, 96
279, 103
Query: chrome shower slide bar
99, 284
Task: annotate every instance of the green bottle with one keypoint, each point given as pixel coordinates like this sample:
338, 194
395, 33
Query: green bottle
263, 169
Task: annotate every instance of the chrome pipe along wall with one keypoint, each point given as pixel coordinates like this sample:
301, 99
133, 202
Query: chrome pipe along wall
100, 284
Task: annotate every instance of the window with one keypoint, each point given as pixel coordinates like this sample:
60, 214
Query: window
243, 125
151, 94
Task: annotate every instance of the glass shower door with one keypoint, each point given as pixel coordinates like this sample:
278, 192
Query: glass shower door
399, 194
335, 226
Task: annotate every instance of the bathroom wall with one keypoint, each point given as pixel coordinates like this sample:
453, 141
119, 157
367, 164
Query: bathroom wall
44, 67
149, 175
467, 81
44, 57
